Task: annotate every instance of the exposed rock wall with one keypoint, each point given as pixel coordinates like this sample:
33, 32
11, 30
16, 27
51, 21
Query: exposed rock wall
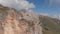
22, 22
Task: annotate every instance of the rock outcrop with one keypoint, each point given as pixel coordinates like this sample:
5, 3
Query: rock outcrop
19, 22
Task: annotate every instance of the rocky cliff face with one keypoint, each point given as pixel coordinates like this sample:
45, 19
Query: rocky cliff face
19, 22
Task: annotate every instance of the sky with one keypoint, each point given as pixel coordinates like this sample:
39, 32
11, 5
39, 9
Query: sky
44, 7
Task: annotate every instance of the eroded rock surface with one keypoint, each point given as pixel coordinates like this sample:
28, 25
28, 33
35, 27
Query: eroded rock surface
19, 22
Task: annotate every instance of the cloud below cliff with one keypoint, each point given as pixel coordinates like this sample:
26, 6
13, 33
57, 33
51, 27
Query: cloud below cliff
17, 4
52, 16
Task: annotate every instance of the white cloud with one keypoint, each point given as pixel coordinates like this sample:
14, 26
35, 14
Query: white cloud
44, 14
17, 4
52, 2
57, 1
52, 16
55, 16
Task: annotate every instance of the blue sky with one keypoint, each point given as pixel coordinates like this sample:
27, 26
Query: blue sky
46, 6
